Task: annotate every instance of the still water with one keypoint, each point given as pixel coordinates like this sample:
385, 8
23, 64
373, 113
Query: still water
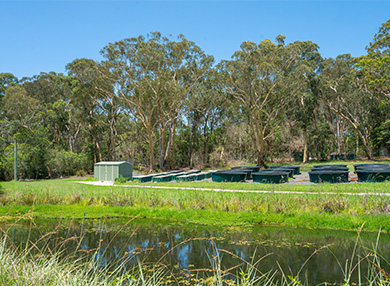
189, 247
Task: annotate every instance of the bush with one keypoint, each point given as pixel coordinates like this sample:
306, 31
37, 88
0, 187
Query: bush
121, 180
65, 163
381, 135
320, 142
33, 146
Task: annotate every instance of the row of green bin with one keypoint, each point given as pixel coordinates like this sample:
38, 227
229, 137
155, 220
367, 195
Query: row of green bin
193, 175
149, 178
374, 172
277, 174
339, 173
274, 175
330, 173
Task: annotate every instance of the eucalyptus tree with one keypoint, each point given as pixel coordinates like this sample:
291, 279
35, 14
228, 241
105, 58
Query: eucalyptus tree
259, 78
373, 72
24, 118
53, 92
6, 79
153, 76
22, 111
48, 87
339, 92
84, 103
303, 109
374, 67
97, 103
207, 104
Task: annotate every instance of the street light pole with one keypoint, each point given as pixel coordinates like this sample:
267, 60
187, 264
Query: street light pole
15, 160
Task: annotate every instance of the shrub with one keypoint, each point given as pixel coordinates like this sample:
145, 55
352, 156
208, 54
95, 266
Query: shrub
121, 180
64, 163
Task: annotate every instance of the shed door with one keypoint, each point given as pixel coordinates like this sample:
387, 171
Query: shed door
106, 170
102, 171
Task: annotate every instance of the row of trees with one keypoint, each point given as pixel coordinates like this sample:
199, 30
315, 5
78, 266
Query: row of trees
163, 103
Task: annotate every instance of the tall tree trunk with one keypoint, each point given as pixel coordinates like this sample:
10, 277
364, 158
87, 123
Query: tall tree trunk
111, 139
190, 146
260, 160
368, 149
97, 153
354, 126
70, 143
338, 135
151, 153
305, 148
56, 137
260, 153
114, 147
171, 144
258, 137
168, 148
208, 136
357, 145
205, 141
160, 148
109, 148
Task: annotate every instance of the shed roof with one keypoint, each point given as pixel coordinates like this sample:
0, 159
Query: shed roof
112, 163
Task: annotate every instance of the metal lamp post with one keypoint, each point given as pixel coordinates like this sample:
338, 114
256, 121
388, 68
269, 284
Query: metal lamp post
15, 160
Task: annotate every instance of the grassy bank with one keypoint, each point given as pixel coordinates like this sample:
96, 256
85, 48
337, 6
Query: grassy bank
204, 217
69, 199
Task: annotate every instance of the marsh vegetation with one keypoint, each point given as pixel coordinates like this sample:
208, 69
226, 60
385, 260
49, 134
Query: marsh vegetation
317, 208
139, 252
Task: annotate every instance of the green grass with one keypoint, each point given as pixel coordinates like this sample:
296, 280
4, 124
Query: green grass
69, 199
205, 217
315, 188
65, 198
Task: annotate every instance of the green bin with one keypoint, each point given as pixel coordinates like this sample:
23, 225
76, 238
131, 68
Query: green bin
373, 175
270, 177
330, 176
226, 176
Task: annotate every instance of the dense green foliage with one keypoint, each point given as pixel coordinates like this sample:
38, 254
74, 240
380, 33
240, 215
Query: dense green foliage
162, 103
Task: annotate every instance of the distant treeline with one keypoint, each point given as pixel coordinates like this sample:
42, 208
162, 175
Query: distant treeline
162, 103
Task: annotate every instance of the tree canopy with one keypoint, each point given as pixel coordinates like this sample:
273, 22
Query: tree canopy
163, 103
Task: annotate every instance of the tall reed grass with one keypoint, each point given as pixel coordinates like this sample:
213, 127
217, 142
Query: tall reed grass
43, 262
70, 193
61, 198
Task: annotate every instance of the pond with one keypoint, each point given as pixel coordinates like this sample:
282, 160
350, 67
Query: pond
318, 255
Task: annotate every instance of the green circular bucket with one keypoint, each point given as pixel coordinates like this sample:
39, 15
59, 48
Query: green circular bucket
274, 177
329, 176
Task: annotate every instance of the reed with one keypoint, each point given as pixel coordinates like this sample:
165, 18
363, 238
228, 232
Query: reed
43, 262
67, 199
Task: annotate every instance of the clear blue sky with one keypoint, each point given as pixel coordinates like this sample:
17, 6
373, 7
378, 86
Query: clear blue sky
43, 36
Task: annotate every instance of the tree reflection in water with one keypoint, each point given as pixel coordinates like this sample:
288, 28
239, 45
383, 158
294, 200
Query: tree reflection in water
186, 248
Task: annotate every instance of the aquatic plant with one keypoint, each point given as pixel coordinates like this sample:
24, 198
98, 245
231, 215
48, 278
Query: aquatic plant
44, 262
